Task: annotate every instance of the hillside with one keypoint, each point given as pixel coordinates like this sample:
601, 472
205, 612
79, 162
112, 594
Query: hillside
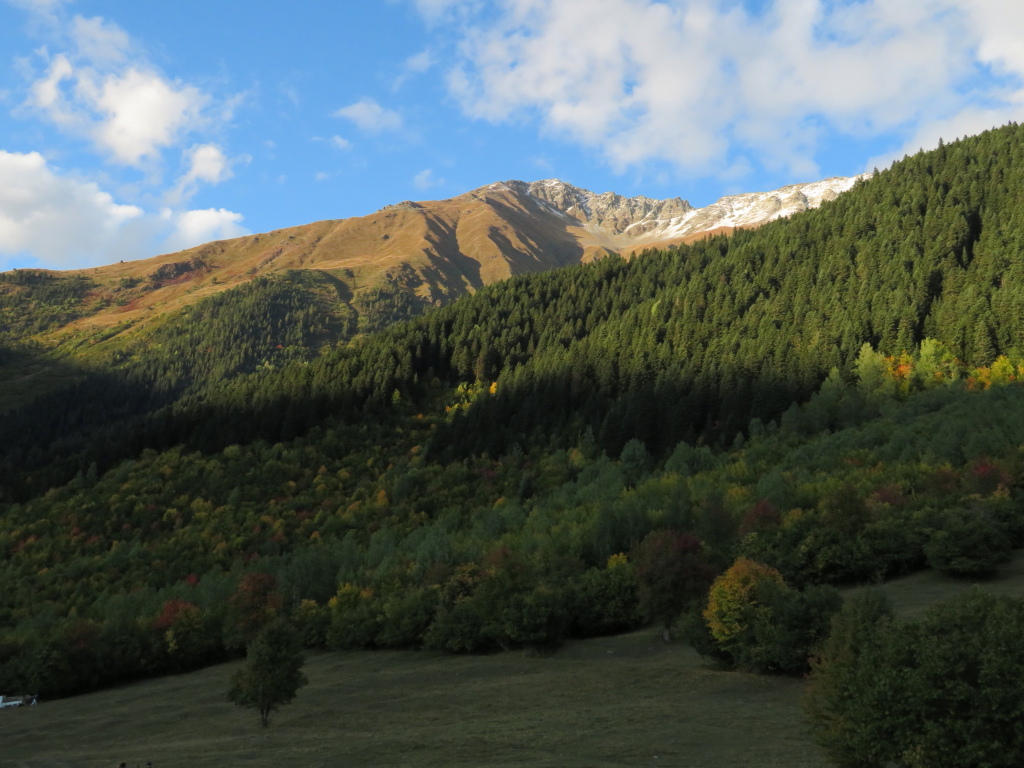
430, 252
831, 395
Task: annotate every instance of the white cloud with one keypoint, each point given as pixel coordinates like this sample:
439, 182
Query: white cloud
369, 116
66, 223
98, 84
438, 10
292, 95
207, 164
41, 9
141, 113
998, 25
46, 94
105, 90
340, 143
425, 179
99, 40
38, 6
59, 220
967, 122
416, 64
698, 83
201, 226
420, 62
994, 32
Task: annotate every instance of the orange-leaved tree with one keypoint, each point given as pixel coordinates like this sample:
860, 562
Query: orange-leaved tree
761, 624
254, 604
732, 596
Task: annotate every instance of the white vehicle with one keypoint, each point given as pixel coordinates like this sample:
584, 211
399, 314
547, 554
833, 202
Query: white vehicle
10, 701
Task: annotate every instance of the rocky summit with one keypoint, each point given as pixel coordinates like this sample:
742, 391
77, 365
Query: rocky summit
643, 221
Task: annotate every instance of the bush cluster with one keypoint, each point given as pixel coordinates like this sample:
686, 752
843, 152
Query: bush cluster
941, 691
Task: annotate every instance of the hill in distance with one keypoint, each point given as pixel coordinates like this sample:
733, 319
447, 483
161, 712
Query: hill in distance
428, 252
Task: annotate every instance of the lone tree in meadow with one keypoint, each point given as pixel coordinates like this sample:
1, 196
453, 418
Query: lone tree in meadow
272, 674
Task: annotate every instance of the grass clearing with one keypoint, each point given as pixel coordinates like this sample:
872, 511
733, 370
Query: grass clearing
629, 700
912, 595
609, 702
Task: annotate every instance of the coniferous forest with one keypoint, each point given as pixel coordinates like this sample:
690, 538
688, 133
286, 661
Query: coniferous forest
712, 437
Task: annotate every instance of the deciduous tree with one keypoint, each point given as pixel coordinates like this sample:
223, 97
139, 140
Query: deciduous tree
272, 673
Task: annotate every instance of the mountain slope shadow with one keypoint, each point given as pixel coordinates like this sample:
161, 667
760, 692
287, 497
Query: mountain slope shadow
453, 269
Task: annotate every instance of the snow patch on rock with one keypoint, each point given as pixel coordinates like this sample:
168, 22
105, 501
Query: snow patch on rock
643, 219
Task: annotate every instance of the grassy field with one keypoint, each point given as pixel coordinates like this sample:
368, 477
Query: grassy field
622, 701
912, 595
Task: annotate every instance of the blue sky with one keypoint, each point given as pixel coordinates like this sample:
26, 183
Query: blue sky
131, 129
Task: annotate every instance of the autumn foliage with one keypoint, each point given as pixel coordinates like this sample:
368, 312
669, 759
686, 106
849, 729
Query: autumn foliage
759, 623
672, 572
732, 596
253, 605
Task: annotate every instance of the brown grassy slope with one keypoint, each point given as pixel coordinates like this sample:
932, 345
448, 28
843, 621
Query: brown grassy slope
453, 246
633, 250
448, 247
622, 701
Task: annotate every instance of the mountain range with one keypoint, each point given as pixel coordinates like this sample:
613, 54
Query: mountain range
432, 251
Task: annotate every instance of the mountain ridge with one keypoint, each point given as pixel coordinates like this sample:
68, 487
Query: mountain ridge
430, 252
617, 214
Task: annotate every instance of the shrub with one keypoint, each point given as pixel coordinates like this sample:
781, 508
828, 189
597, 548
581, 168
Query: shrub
603, 601
847, 701
731, 597
759, 623
354, 621
672, 572
943, 691
312, 622
534, 619
405, 617
786, 626
459, 628
968, 542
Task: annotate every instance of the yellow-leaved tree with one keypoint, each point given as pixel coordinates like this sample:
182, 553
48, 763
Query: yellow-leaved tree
761, 624
732, 596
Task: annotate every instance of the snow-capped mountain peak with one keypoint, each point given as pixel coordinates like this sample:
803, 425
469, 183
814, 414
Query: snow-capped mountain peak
641, 220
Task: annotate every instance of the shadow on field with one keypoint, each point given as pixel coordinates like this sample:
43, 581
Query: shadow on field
620, 701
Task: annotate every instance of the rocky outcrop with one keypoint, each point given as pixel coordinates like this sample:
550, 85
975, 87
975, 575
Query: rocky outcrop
632, 221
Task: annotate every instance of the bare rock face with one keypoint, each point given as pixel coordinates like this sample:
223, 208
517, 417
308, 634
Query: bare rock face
639, 220
609, 211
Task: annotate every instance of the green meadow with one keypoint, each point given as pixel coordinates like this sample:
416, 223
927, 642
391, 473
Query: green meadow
629, 700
